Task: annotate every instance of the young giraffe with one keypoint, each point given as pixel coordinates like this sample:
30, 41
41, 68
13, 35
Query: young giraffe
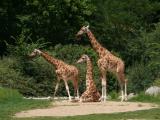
107, 62
91, 94
63, 71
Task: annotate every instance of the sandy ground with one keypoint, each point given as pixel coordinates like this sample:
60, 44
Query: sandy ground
65, 108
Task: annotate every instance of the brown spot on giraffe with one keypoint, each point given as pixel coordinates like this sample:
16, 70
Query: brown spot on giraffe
63, 71
91, 93
101, 49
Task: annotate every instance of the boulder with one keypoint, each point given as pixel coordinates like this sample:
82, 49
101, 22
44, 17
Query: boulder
153, 90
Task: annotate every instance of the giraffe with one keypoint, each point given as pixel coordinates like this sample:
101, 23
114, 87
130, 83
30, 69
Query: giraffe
106, 62
63, 71
91, 94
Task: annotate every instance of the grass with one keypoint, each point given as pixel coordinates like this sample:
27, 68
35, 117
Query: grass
146, 98
11, 102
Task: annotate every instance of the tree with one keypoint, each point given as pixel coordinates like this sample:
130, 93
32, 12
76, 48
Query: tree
118, 23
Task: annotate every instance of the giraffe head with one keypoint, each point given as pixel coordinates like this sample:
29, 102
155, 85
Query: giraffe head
35, 53
83, 58
82, 31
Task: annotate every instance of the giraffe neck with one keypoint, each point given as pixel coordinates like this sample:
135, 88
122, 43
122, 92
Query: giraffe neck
89, 74
50, 59
96, 45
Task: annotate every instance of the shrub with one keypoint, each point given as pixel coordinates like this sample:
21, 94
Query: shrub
140, 77
156, 82
114, 95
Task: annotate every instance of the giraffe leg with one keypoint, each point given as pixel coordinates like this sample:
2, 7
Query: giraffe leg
77, 94
56, 88
89, 99
67, 89
76, 91
102, 96
103, 72
104, 90
122, 82
125, 88
104, 87
83, 96
122, 93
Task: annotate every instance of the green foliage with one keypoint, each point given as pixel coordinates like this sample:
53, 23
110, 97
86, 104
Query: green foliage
25, 45
118, 23
9, 77
147, 49
139, 77
114, 95
157, 82
54, 21
147, 46
152, 43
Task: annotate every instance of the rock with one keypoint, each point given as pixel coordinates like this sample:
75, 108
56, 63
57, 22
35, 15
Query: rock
131, 95
153, 90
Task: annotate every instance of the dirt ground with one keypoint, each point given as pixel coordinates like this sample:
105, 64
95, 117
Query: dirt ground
65, 108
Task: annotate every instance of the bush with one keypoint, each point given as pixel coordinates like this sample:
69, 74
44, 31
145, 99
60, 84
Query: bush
9, 76
114, 95
156, 82
12, 77
141, 76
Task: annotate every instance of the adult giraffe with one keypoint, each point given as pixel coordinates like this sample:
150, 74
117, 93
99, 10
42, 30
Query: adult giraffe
107, 62
63, 71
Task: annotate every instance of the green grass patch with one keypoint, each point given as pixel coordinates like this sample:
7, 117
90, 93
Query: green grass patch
9, 95
11, 102
146, 98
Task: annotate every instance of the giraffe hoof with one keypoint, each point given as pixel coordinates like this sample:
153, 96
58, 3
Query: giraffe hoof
70, 99
76, 98
102, 99
126, 98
